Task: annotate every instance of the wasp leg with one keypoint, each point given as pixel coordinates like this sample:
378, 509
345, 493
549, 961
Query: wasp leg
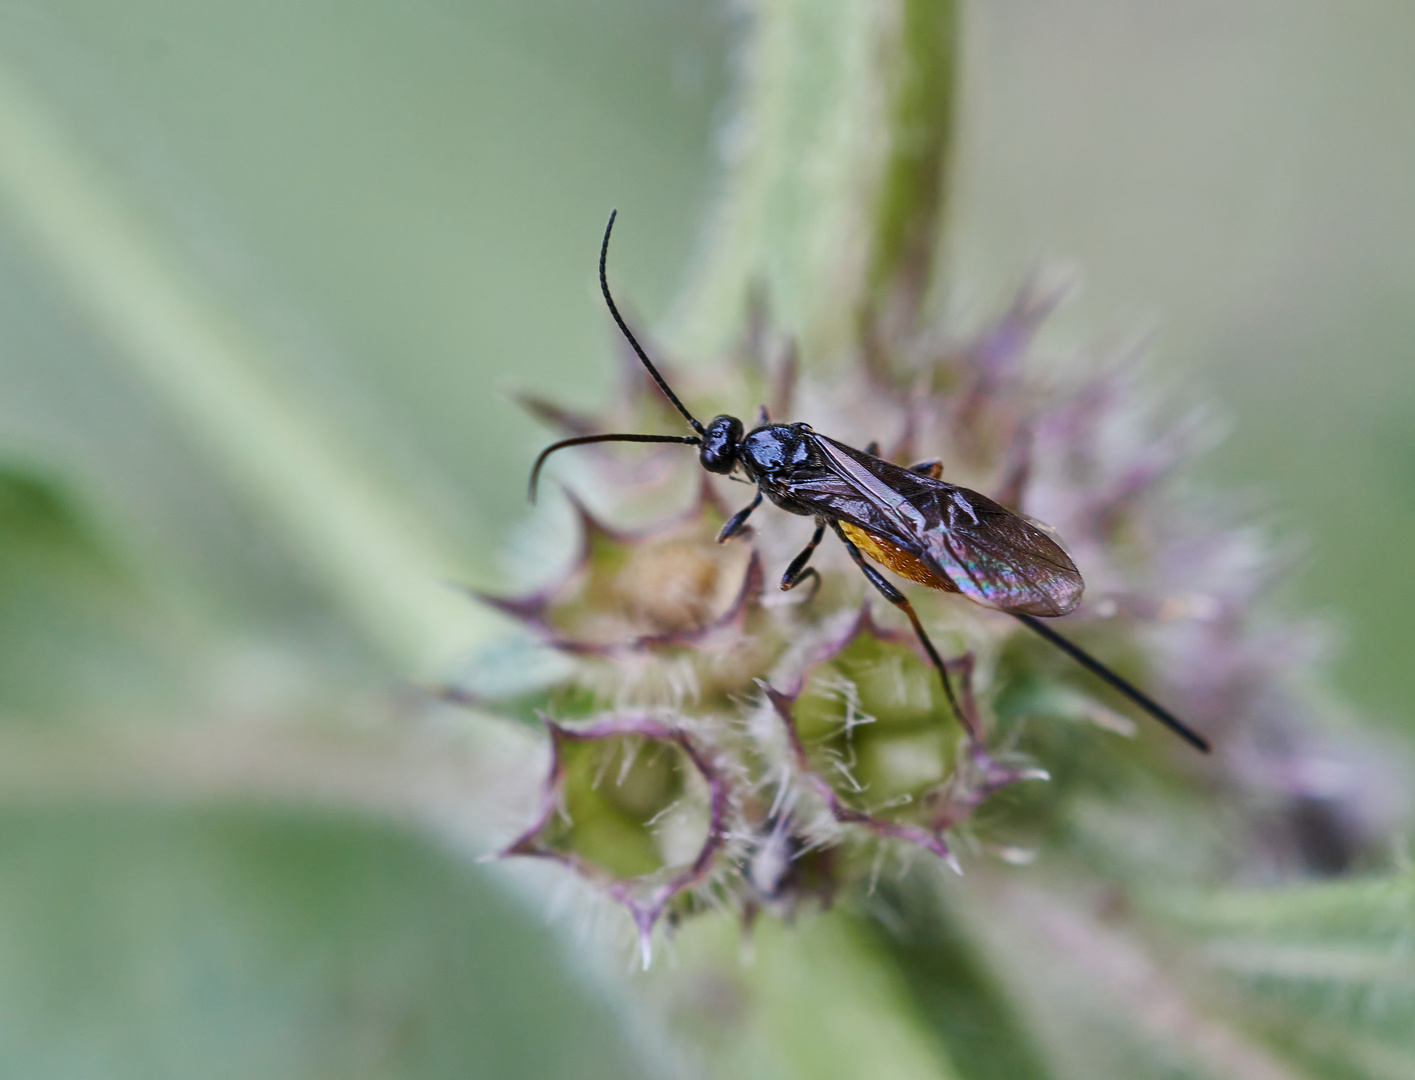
872, 448
899, 600
933, 468
762, 417
798, 571
738, 520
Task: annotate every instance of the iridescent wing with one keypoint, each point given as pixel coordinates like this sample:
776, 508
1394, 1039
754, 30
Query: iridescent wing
983, 550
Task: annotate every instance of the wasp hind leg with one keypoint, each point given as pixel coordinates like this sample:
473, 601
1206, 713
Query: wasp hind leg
899, 600
798, 571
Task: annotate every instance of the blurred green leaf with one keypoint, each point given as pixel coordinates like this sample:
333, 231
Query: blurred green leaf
1325, 973
1096, 981
80, 631
374, 555
150, 944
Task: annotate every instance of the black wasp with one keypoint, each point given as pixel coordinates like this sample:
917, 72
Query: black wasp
907, 519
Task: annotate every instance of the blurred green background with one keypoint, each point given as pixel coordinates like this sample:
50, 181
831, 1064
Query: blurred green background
401, 202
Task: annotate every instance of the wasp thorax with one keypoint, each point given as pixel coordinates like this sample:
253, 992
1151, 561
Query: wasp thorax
776, 446
720, 442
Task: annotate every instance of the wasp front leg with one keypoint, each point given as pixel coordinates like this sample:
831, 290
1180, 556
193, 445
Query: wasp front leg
899, 600
798, 571
738, 520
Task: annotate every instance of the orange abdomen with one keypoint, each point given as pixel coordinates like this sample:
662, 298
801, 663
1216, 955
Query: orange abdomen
904, 563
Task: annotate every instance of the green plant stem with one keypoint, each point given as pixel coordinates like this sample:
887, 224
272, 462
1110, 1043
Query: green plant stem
815, 1003
177, 337
835, 176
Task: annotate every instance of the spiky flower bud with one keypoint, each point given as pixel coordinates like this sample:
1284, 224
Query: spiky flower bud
632, 804
805, 733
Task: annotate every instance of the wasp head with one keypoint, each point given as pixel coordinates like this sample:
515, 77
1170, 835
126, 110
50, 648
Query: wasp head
721, 441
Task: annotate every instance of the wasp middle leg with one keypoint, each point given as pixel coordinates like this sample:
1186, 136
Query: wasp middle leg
899, 600
798, 571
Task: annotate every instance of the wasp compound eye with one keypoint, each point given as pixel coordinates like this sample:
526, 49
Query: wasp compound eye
720, 443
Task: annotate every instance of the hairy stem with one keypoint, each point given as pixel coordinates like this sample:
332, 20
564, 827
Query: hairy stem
835, 173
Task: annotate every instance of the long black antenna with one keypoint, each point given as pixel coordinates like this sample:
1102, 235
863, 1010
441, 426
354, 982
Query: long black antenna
581, 440
624, 329
1091, 664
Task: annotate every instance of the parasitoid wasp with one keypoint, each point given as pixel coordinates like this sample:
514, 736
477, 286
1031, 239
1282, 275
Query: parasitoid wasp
907, 519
